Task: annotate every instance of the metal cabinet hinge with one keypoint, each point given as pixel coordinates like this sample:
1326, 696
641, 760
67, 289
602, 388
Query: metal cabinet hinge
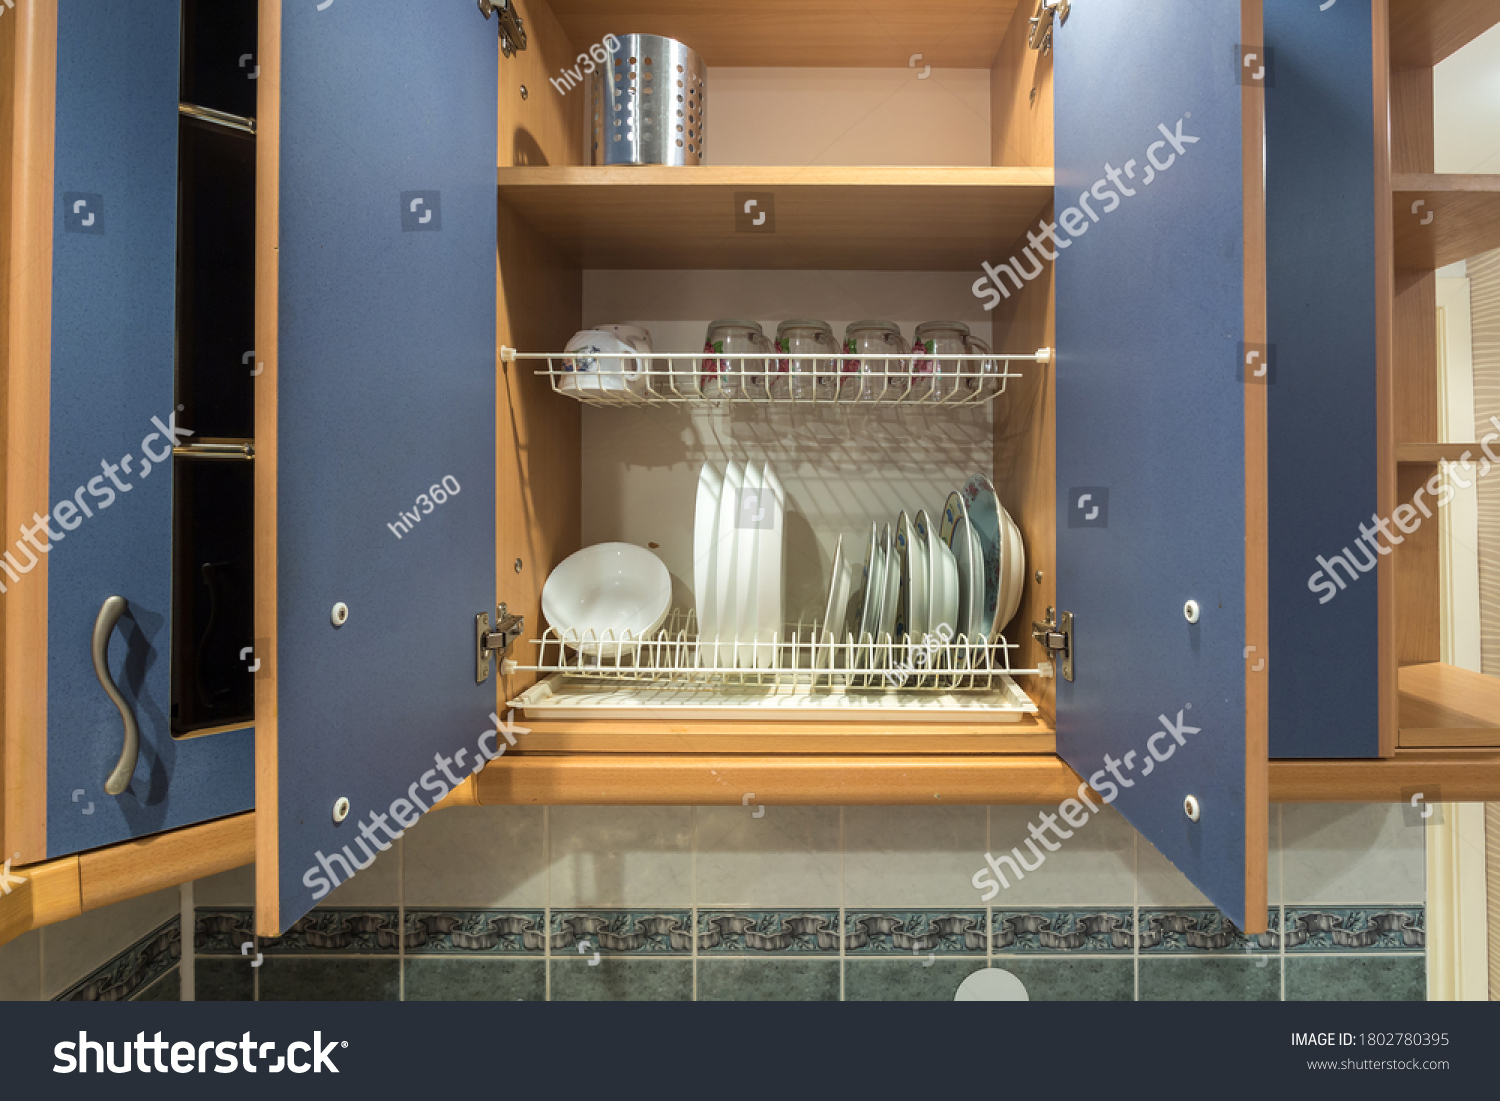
1042, 23
508, 629
1056, 634
512, 33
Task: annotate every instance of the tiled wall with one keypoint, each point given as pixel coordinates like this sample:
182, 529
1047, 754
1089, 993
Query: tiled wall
131, 950
826, 903
800, 903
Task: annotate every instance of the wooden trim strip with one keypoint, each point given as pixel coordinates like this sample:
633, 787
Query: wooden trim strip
26, 431
703, 780
1257, 491
50, 894
62, 889
267, 236
1464, 775
135, 868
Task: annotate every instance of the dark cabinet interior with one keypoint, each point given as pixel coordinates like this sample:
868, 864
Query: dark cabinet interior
213, 498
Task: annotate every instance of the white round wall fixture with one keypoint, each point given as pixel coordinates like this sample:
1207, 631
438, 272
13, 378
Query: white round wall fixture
991, 984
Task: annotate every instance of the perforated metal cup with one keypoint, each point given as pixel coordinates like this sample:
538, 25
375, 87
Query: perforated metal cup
648, 103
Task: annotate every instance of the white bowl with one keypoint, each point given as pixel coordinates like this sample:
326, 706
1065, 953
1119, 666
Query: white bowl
606, 599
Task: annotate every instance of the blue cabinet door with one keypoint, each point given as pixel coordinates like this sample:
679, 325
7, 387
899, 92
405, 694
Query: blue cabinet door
1152, 444
1322, 424
385, 419
112, 420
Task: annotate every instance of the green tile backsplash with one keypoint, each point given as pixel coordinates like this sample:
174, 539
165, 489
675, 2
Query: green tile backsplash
823, 904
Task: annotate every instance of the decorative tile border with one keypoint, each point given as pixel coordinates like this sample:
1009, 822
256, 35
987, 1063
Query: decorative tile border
475, 932
907, 931
220, 930
1356, 929
133, 970
622, 932
340, 931
764, 932
1045, 930
1201, 929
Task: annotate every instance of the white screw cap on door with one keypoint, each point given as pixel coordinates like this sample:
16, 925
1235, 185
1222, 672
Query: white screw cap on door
1190, 611
340, 808
1190, 808
340, 614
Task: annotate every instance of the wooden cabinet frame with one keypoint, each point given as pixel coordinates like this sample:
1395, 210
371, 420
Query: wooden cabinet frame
1449, 724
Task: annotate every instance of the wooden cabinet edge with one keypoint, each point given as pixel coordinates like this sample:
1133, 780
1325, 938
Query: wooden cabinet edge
134, 868
49, 894
60, 889
1034, 779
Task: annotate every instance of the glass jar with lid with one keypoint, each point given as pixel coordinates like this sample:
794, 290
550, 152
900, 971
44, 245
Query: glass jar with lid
933, 373
727, 375
875, 379
806, 379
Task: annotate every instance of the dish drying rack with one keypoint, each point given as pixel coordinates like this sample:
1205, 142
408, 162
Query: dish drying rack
969, 378
802, 669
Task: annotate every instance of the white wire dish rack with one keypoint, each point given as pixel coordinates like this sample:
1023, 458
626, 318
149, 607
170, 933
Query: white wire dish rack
804, 670
780, 378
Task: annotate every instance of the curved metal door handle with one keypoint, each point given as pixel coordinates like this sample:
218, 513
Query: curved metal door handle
109, 614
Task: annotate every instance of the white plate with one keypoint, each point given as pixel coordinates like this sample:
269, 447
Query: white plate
721, 644
745, 540
872, 586
944, 603
959, 534
984, 514
974, 623
1014, 581
705, 531
604, 599
768, 553
912, 618
840, 581
890, 602
935, 603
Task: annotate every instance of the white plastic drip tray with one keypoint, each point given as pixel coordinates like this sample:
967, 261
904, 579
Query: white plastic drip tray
564, 696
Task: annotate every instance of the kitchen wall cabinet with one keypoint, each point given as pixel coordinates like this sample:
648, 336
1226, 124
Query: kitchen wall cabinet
381, 312
91, 426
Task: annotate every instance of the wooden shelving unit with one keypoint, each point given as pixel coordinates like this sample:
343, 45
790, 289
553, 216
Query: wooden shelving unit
955, 34
1429, 453
1443, 705
1423, 32
886, 218
1464, 218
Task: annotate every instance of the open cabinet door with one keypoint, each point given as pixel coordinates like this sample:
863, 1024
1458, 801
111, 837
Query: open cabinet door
1161, 430
375, 414
91, 428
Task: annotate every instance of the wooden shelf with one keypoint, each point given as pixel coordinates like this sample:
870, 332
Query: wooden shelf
1423, 32
1465, 219
1433, 452
852, 218
1462, 775
954, 34
1443, 705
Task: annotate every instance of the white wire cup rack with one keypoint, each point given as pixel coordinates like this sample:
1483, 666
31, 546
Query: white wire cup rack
802, 667
780, 378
